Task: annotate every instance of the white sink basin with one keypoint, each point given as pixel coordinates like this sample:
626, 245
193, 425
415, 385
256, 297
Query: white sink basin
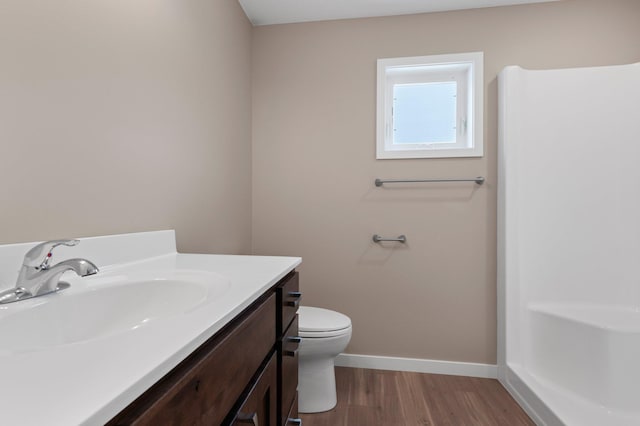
101, 306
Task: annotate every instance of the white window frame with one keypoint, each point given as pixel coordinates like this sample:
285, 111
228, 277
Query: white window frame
464, 68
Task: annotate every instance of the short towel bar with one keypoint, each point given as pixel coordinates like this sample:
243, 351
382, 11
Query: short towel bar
379, 182
400, 239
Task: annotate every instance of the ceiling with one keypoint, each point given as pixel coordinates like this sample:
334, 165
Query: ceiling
267, 12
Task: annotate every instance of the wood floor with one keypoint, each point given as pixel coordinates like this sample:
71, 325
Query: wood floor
395, 398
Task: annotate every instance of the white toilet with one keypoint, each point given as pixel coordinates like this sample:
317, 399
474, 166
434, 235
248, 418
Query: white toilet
324, 334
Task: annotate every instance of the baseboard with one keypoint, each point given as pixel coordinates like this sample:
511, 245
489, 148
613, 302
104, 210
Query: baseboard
417, 365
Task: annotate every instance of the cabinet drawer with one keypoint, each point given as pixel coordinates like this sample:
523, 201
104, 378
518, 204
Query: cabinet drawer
288, 298
204, 388
289, 345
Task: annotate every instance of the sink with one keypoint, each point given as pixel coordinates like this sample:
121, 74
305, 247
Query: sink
97, 307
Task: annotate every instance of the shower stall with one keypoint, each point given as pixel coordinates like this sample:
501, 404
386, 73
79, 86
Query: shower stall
569, 243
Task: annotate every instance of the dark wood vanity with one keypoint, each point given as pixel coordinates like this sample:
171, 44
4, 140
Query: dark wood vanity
247, 373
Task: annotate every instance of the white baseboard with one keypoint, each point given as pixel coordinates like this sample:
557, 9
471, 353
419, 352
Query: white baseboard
417, 365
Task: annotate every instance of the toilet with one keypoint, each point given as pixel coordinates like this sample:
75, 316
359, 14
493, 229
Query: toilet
325, 334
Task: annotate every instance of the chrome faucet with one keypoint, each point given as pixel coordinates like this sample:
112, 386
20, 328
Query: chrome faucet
38, 278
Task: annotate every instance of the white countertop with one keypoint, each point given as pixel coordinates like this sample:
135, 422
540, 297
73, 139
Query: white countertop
89, 382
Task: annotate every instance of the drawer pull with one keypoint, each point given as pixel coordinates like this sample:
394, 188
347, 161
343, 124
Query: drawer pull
290, 353
251, 419
295, 294
295, 339
294, 303
291, 421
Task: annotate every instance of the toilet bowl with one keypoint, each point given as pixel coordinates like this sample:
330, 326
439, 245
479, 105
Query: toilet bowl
325, 334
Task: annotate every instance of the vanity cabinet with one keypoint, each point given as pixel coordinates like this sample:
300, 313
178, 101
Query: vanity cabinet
247, 373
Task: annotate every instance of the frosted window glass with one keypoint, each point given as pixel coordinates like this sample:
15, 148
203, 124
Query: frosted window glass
424, 113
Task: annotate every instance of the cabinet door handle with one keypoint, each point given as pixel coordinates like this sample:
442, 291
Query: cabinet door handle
295, 294
295, 339
251, 419
291, 421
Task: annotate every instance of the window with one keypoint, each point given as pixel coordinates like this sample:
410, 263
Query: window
430, 106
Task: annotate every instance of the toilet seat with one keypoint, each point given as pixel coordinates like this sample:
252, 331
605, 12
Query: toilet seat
318, 323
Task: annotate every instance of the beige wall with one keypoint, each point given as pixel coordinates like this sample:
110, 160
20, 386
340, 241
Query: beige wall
120, 116
314, 166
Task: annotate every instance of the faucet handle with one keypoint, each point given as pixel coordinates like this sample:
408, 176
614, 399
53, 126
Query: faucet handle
38, 257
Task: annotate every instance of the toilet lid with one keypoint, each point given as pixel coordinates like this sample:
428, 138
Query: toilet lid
320, 322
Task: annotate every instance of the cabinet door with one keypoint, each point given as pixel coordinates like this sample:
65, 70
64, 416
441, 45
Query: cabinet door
259, 409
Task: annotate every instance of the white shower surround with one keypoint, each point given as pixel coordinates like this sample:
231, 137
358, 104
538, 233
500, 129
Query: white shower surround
569, 243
